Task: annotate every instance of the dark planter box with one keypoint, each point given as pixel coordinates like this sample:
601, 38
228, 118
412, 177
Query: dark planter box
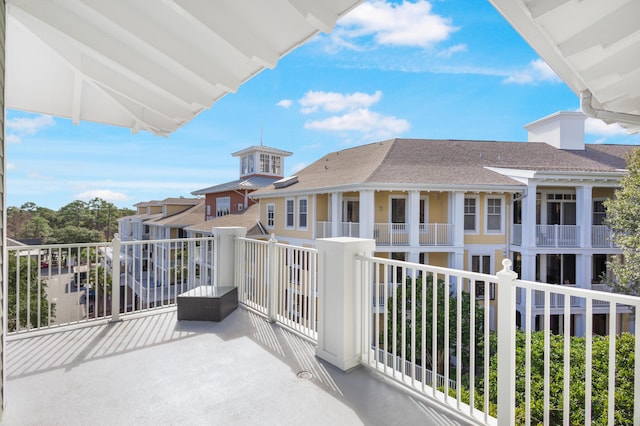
207, 303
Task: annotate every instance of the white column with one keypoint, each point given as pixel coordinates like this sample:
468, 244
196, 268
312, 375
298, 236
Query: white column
224, 266
529, 217
457, 217
413, 219
340, 293
584, 208
367, 213
336, 213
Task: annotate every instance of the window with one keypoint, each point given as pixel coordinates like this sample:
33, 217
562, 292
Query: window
223, 205
561, 209
599, 268
247, 164
398, 210
271, 215
561, 268
290, 213
302, 213
264, 163
275, 164
494, 215
482, 264
240, 207
599, 212
470, 214
208, 210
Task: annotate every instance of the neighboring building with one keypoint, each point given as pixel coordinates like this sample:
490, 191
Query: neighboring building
259, 166
467, 205
154, 264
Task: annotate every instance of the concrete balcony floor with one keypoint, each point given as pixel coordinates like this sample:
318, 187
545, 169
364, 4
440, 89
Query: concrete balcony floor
153, 370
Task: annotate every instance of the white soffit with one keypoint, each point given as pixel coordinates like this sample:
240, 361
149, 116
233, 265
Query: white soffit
593, 45
148, 65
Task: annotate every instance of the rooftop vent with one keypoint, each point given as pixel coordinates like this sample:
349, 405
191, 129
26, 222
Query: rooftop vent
283, 183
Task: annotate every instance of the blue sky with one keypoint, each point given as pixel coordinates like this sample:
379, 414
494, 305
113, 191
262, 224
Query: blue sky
446, 69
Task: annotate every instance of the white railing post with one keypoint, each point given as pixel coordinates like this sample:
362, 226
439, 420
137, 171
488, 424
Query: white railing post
340, 300
506, 397
115, 278
224, 252
272, 279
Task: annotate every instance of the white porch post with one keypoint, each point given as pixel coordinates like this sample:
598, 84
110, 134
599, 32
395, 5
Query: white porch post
457, 217
367, 213
336, 213
340, 293
414, 218
584, 207
224, 264
506, 293
529, 217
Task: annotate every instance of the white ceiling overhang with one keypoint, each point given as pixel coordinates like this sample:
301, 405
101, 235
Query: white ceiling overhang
148, 65
593, 45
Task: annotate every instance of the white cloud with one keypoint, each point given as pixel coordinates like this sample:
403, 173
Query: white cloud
29, 125
105, 194
285, 103
13, 138
371, 124
450, 51
11, 166
536, 72
594, 126
336, 102
405, 24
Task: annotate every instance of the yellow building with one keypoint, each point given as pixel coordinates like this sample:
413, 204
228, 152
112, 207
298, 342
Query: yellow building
467, 205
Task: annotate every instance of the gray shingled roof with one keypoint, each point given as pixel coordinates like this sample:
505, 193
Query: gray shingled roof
248, 218
251, 183
182, 219
448, 163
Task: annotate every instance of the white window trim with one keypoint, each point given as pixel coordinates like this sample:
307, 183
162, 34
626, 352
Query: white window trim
273, 207
486, 214
476, 231
286, 213
303, 228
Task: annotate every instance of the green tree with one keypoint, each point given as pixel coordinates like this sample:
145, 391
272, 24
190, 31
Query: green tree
405, 326
74, 234
27, 300
600, 375
623, 218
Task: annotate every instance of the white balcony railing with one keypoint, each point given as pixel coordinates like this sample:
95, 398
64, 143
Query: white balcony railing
557, 235
53, 285
436, 234
391, 234
345, 229
564, 236
601, 236
280, 282
556, 300
516, 234
417, 309
425, 330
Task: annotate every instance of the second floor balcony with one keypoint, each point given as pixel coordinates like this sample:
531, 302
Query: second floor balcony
392, 234
559, 236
